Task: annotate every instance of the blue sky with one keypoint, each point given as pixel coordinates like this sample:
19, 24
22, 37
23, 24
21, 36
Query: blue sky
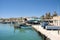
23, 8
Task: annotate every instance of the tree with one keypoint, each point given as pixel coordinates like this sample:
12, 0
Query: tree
42, 17
55, 14
48, 16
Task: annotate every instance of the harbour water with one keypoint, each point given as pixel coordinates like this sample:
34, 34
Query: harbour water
8, 32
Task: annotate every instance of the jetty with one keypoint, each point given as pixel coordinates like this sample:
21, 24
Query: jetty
50, 34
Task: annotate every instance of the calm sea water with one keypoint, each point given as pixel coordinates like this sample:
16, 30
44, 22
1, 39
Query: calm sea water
8, 32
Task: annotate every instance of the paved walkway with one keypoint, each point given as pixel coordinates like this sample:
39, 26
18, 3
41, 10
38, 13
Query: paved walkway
51, 34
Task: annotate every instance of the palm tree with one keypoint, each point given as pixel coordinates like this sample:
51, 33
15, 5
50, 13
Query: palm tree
55, 14
48, 16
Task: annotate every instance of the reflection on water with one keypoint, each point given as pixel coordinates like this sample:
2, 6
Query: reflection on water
9, 32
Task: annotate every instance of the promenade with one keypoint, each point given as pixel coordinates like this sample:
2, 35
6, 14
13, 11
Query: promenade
51, 34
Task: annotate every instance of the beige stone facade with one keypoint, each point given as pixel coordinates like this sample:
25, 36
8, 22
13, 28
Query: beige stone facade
56, 20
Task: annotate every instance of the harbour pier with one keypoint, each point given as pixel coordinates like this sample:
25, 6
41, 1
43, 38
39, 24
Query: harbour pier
50, 34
